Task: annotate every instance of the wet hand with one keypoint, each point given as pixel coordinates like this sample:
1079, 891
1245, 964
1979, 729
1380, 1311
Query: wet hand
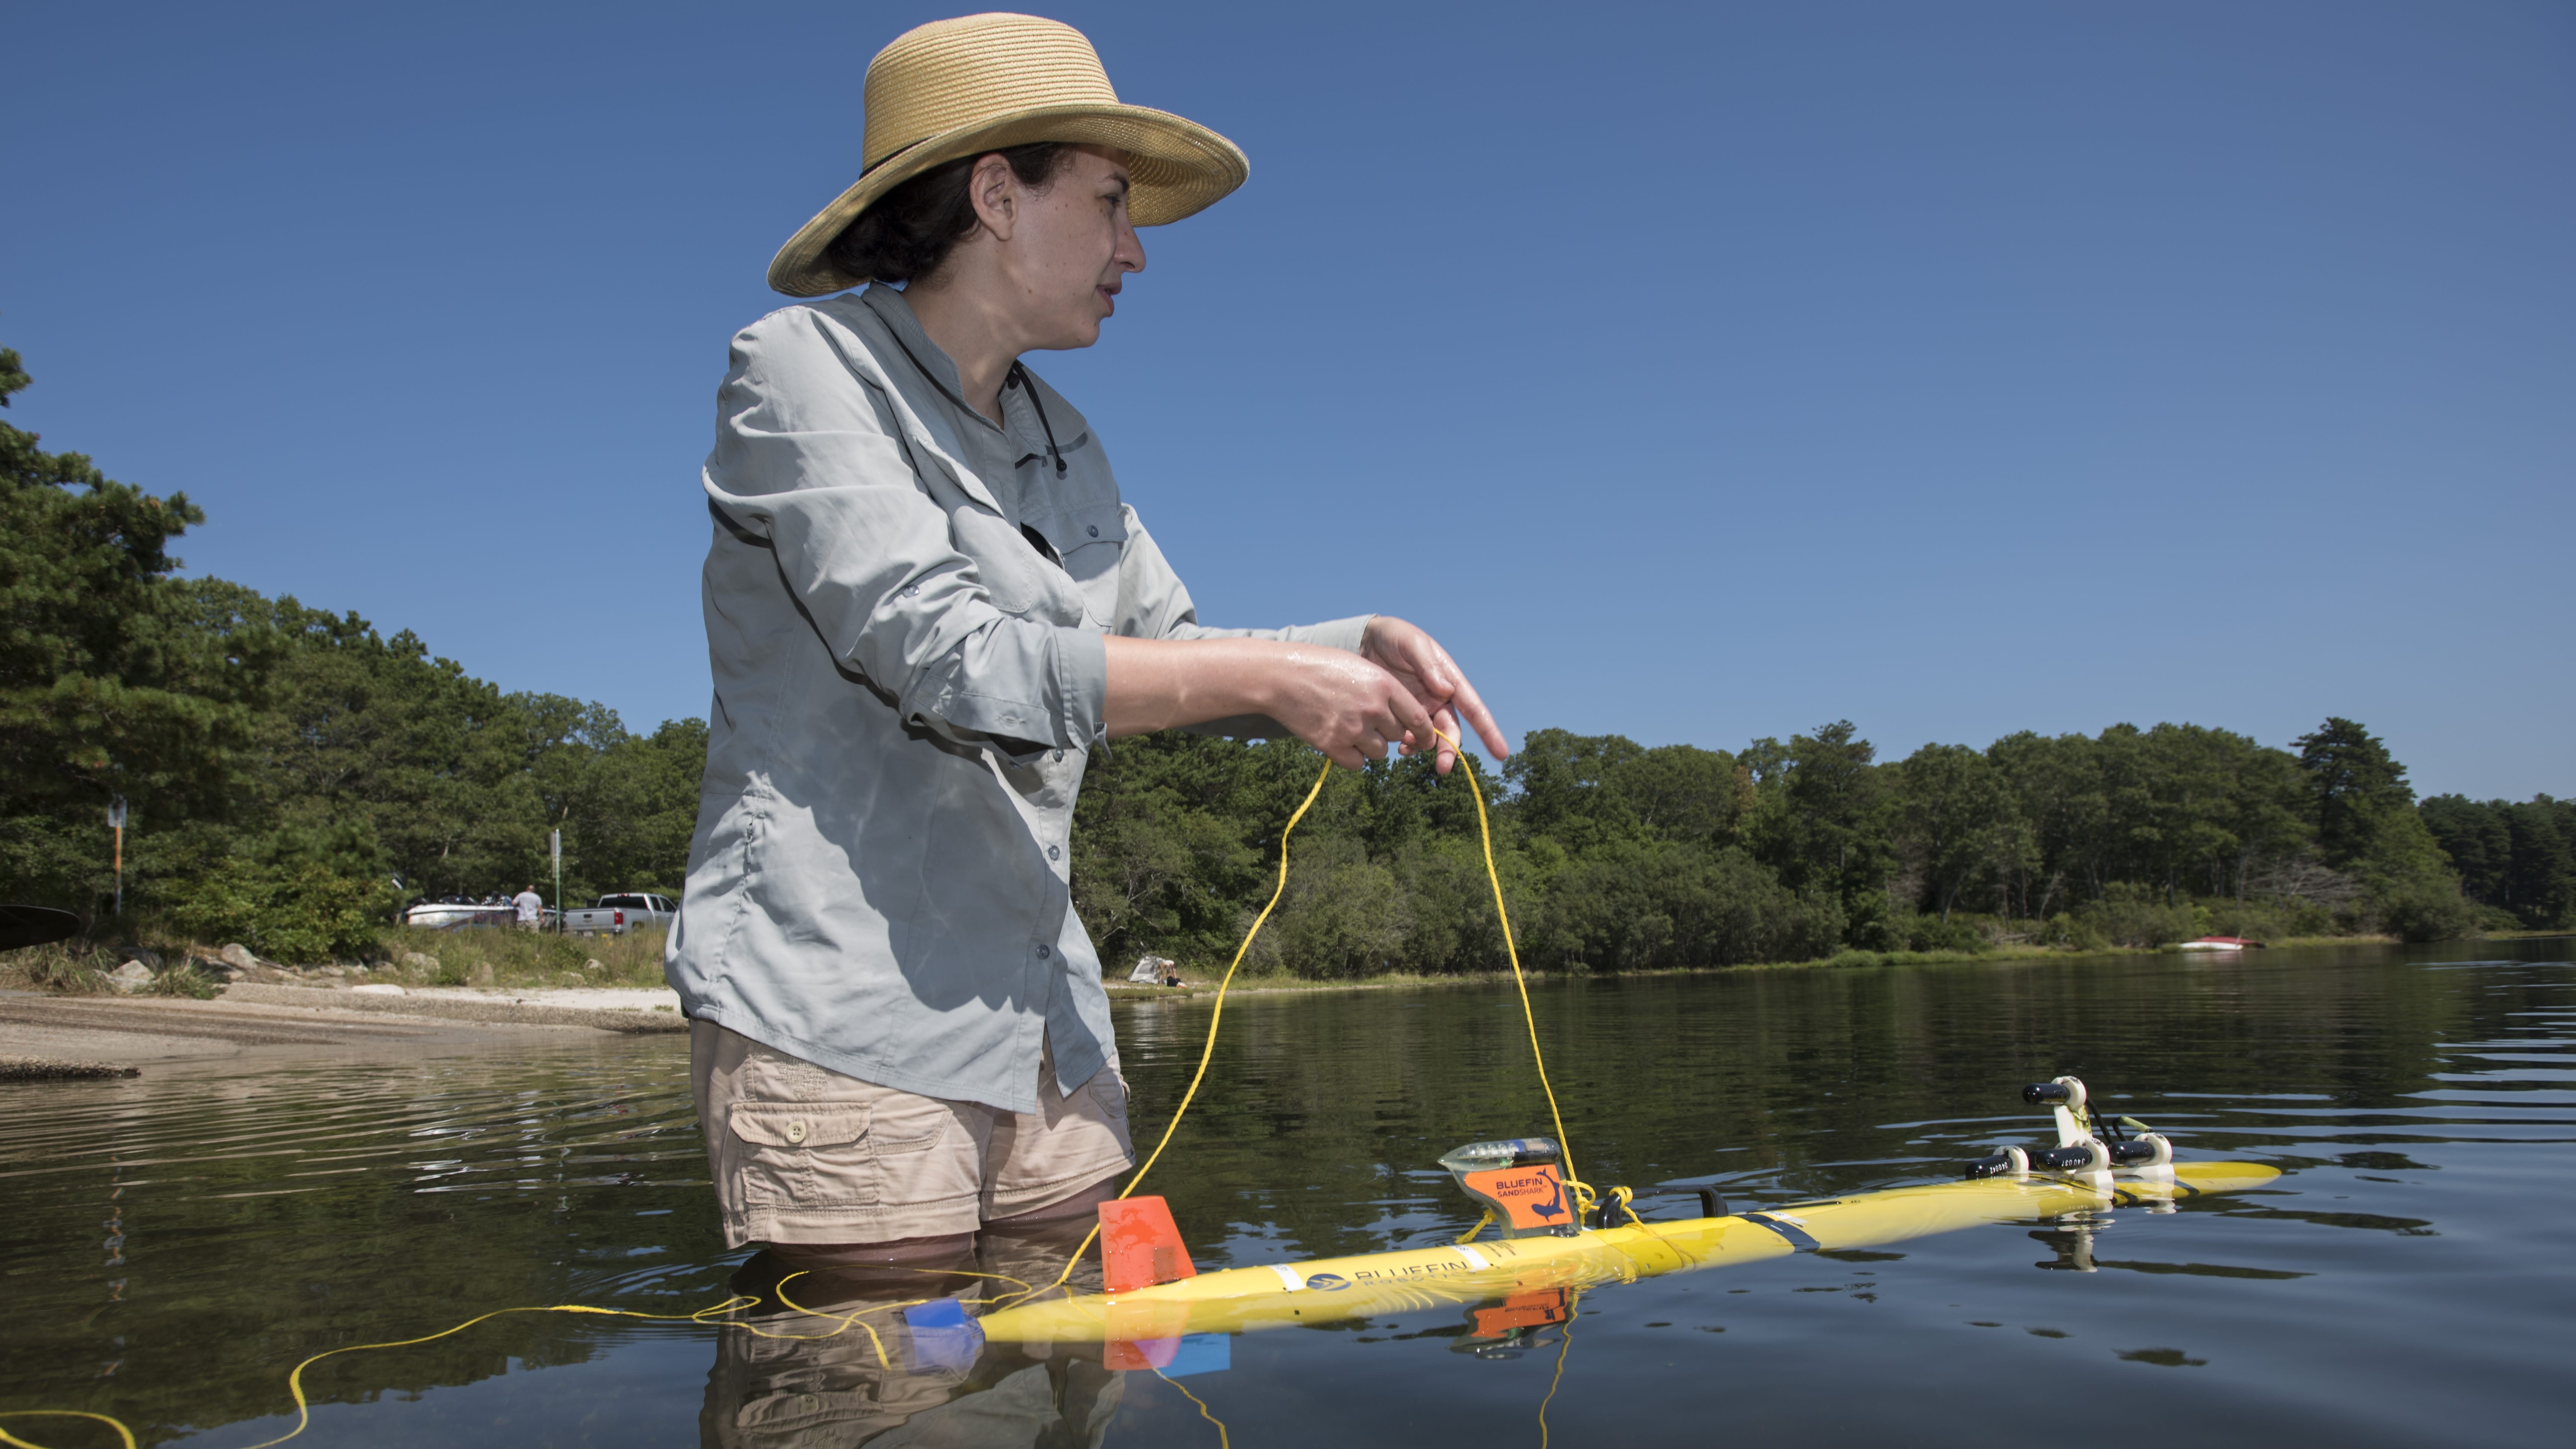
1344, 705
1436, 683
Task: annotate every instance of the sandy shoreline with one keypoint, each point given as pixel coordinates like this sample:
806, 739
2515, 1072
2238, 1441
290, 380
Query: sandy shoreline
45, 1037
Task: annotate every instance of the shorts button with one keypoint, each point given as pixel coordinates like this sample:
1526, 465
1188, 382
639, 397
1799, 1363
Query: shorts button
1093, 530
1044, 953
1059, 757
1055, 852
796, 1131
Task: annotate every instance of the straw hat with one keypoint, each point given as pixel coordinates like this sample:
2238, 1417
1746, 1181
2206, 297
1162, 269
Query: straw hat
983, 82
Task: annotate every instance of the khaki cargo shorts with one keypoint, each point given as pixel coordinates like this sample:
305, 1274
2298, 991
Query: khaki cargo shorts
803, 1154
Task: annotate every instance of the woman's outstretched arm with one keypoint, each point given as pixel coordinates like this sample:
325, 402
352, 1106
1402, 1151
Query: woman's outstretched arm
1350, 706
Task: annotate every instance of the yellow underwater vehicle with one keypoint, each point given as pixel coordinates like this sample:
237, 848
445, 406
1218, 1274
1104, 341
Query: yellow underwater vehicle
1544, 1254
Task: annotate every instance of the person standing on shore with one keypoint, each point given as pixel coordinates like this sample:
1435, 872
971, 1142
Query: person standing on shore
926, 605
532, 907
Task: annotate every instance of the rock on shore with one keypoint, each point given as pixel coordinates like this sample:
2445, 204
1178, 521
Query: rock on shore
41, 1069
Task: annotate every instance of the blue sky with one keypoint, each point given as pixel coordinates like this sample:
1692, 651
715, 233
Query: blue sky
1695, 373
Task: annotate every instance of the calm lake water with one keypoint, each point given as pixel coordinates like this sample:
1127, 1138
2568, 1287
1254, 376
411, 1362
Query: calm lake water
175, 1243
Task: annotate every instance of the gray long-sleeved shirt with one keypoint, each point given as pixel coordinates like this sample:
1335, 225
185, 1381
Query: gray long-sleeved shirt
906, 691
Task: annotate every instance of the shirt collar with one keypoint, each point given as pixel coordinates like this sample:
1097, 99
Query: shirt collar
896, 312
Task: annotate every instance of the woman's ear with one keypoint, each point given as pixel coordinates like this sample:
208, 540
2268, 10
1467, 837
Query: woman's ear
995, 191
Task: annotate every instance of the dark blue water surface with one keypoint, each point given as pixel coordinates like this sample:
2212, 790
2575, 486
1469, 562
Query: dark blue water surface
175, 1243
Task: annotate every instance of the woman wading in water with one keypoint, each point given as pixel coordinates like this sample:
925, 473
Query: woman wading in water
926, 605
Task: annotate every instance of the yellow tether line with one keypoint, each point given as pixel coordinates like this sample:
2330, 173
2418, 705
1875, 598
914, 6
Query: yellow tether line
1224, 1440
122, 1432
304, 1409
1208, 1051
711, 1313
1584, 1198
1564, 1343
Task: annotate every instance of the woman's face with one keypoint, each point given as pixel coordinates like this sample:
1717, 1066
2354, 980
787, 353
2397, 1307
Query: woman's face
1070, 249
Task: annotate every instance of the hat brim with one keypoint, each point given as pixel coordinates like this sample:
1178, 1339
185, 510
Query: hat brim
1175, 168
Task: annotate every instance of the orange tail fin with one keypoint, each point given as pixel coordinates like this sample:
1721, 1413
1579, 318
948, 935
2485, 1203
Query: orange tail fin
1139, 1246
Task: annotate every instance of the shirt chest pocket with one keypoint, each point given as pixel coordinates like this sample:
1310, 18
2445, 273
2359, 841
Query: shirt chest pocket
1091, 539
1019, 579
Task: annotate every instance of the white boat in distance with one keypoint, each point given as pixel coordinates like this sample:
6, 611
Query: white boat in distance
2220, 943
449, 912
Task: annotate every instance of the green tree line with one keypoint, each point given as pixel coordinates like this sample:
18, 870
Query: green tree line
293, 775
1615, 856
2519, 859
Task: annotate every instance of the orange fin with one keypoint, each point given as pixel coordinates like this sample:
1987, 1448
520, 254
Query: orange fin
1139, 1246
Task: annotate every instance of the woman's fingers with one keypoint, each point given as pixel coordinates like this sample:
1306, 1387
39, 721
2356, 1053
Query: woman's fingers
1435, 679
1444, 755
1413, 721
1471, 705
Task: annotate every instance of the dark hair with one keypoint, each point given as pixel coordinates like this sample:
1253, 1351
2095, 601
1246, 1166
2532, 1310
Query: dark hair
911, 229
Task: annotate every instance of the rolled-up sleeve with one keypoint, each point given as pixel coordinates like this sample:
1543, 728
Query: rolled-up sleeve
1153, 603
808, 463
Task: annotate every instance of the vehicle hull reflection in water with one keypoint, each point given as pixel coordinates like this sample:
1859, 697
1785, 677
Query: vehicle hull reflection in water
840, 1357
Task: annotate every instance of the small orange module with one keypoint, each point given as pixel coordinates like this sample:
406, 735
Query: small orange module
1528, 1199
1524, 1310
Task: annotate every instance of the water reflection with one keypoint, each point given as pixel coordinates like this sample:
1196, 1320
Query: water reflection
175, 1243
892, 1356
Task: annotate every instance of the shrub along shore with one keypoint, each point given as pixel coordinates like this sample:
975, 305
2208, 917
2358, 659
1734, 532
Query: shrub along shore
1265, 983
502, 959
293, 777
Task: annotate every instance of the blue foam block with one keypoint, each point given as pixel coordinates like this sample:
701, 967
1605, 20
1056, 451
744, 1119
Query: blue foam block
1201, 1353
944, 1339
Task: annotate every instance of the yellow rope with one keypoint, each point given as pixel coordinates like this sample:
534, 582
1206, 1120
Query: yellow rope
1564, 1342
708, 1314
122, 1432
304, 1409
1224, 1440
1208, 1051
1584, 1198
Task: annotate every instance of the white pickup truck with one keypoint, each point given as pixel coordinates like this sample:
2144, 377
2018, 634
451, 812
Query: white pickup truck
617, 915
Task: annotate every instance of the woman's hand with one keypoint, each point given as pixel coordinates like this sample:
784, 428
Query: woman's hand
1437, 684
1350, 706
1342, 704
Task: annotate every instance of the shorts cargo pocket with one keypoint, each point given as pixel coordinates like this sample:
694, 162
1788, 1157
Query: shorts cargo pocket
802, 1154
1109, 1090
923, 1153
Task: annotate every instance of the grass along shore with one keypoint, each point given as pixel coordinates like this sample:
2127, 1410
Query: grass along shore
1261, 983
522, 961
502, 959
